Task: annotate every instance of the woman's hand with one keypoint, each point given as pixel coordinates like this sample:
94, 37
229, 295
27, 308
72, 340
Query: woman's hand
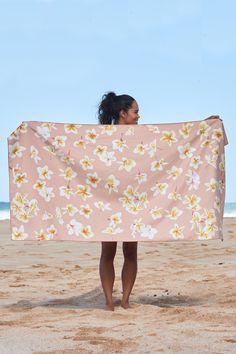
213, 117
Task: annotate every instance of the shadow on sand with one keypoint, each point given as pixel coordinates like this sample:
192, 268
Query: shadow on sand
95, 300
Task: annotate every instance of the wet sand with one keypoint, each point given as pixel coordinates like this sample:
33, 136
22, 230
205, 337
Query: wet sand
183, 300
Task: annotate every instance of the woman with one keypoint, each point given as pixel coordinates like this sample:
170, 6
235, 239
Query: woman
118, 109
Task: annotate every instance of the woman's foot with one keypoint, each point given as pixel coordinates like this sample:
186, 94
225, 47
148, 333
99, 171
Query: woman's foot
125, 304
110, 306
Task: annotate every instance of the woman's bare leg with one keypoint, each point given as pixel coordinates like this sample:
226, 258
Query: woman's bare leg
107, 271
129, 270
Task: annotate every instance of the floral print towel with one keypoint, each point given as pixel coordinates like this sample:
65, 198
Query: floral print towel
89, 182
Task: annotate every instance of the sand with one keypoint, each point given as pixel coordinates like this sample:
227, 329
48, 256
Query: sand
183, 300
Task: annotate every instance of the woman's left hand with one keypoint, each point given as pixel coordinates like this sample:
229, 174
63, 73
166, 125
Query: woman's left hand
213, 117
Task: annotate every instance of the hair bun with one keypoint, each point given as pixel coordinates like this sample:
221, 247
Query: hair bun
110, 98
111, 95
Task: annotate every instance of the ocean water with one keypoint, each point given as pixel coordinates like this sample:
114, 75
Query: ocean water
229, 210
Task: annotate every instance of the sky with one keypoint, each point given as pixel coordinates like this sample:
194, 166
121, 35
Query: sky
175, 57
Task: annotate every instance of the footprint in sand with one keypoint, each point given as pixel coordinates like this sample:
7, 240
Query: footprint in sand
66, 271
77, 266
7, 271
230, 340
39, 266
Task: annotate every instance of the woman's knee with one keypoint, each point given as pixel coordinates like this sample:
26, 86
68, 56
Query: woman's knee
130, 250
108, 250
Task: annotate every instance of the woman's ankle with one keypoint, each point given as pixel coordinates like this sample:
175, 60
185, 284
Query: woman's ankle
109, 301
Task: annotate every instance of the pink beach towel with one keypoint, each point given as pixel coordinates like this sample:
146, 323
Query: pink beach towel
89, 182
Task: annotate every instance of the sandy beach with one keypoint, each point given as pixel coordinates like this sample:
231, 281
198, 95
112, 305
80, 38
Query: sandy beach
183, 300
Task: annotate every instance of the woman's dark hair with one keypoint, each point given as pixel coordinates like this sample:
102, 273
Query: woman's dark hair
111, 105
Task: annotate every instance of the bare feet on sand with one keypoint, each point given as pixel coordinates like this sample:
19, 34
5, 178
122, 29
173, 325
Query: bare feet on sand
111, 306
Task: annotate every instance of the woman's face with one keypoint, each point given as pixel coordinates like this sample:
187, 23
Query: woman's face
132, 116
